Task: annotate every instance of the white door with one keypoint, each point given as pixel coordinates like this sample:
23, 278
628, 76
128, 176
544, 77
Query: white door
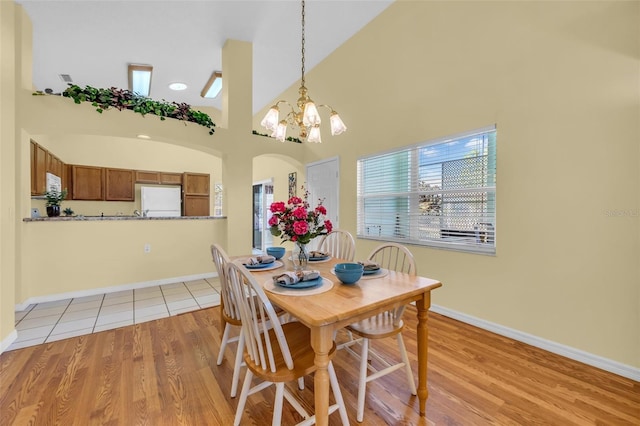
323, 182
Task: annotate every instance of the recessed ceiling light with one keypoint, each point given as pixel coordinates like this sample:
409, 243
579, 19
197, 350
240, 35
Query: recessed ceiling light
177, 86
141, 136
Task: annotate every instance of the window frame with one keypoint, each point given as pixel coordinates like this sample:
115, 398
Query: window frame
409, 226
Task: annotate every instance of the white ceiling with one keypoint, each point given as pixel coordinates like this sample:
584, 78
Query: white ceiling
94, 40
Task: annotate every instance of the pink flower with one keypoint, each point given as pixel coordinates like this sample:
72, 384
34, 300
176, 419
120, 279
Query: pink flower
300, 213
328, 225
273, 220
295, 200
277, 207
300, 227
320, 209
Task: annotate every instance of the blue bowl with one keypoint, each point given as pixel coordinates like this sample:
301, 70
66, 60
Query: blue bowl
276, 252
348, 273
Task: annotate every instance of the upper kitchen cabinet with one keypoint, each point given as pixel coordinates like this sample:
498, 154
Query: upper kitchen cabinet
147, 177
38, 169
171, 178
119, 185
195, 183
54, 165
87, 183
164, 178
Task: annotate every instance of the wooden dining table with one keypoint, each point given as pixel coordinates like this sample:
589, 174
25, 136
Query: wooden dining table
328, 311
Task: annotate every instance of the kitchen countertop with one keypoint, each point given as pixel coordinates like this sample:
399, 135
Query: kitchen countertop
80, 218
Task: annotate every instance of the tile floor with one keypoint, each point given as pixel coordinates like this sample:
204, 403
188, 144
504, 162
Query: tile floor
51, 321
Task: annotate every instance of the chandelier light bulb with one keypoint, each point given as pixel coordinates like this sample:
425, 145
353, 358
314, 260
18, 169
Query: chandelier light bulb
280, 132
314, 135
311, 116
337, 125
270, 121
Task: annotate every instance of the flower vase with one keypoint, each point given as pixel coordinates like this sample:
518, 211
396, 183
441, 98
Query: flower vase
299, 257
53, 211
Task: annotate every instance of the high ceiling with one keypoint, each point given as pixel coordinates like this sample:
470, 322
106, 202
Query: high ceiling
93, 41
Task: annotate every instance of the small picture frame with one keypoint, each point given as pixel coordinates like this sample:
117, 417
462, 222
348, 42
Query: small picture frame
293, 183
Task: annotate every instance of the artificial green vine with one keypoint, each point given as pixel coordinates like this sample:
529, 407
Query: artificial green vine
120, 99
289, 138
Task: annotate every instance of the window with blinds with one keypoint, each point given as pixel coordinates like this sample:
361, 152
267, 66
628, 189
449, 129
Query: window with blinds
439, 193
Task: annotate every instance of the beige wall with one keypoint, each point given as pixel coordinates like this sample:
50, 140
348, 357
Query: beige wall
560, 81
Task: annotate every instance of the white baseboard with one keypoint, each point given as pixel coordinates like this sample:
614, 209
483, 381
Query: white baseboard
7, 341
111, 289
615, 367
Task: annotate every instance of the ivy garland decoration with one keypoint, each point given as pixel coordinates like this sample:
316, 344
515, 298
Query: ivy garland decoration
103, 99
289, 138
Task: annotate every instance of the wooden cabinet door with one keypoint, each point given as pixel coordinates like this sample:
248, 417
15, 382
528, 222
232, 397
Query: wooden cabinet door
170, 178
147, 177
40, 170
195, 205
195, 184
32, 152
54, 165
87, 183
119, 185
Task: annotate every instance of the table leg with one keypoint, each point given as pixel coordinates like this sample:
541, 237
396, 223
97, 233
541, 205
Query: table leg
322, 342
423, 342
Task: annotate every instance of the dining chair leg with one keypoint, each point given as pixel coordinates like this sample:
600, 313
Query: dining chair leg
277, 404
362, 382
243, 397
223, 344
237, 365
337, 395
407, 366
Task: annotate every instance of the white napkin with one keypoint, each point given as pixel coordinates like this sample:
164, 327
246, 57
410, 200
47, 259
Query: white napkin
315, 254
369, 265
290, 277
257, 260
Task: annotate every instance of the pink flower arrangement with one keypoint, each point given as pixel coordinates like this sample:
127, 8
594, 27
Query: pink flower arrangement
295, 221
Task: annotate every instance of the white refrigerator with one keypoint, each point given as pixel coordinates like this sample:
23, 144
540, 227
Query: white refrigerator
161, 201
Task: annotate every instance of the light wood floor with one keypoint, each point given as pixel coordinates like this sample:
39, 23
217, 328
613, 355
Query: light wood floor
164, 372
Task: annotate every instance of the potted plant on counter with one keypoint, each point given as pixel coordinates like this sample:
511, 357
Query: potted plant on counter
54, 198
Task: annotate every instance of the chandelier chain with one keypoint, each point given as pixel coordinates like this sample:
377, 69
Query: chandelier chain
302, 51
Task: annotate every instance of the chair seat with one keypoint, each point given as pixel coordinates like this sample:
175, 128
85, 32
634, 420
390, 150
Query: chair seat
376, 327
299, 340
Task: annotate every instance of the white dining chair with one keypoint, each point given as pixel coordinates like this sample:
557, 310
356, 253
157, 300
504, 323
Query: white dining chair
275, 353
394, 257
338, 243
229, 316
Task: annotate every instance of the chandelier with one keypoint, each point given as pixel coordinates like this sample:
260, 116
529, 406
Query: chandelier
306, 117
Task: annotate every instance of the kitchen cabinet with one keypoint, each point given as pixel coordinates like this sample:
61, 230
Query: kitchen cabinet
147, 177
195, 205
87, 183
195, 184
195, 194
163, 178
119, 184
54, 165
170, 178
38, 169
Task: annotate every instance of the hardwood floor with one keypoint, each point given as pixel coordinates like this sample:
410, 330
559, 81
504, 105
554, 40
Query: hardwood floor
164, 372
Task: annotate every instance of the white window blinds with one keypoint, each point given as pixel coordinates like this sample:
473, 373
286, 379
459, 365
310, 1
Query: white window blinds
439, 193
